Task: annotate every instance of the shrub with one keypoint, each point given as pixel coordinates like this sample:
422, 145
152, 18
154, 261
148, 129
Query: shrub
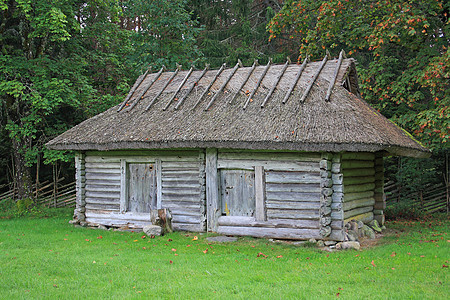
403, 210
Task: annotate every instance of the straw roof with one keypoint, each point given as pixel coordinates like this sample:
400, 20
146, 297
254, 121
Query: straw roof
244, 108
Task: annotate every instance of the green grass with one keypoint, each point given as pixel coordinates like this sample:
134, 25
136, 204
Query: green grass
48, 258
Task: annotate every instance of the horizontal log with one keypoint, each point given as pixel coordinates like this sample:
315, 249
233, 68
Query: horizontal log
358, 180
102, 171
105, 195
357, 211
325, 174
293, 187
108, 207
128, 216
180, 177
326, 182
188, 198
337, 215
327, 156
337, 224
102, 188
293, 196
358, 172
279, 233
325, 165
336, 235
379, 205
188, 227
292, 177
138, 225
103, 182
181, 192
292, 214
357, 164
100, 201
368, 202
337, 197
358, 195
174, 165
336, 168
195, 184
186, 219
358, 156
365, 218
356, 188
95, 176
244, 155
94, 165
298, 166
180, 173
292, 205
279, 223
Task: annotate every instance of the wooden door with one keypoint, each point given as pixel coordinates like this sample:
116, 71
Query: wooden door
237, 192
141, 188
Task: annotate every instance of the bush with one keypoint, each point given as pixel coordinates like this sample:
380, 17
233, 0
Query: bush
403, 210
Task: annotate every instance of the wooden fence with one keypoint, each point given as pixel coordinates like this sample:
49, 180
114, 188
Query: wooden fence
48, 194
431, 198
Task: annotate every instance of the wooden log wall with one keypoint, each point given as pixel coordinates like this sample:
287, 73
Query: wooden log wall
180, 188
292, 192
358, 171
380, 197
80, 184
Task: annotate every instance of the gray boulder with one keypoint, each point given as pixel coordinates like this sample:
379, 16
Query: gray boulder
154, 230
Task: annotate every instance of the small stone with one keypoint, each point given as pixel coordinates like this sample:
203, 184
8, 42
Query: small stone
352, 235
83, 224
320, 244
222, 239
360, 224
348, 245
368, 232
353, 226
374, 225
347, 225
102, 227
330, 243
154, 230
299, 243
312, 241
73, 222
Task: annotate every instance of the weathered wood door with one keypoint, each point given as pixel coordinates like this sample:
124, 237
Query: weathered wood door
141, 188
237, 192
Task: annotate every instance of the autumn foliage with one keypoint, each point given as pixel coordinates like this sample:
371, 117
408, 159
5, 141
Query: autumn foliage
402, 48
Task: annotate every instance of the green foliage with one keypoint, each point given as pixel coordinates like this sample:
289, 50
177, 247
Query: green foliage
404, 210
23, 205
402, 49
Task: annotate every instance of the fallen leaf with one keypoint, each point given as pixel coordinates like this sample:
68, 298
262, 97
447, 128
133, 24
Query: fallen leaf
100, 237
393, 254
94, 262
143, 237
169, 240
338, 294
261, 254
279, 256
205, 251
170, 262
373, 264
444, 266
173, 249
135, 241
195, 238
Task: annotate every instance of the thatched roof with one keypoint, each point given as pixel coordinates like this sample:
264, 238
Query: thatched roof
208, 108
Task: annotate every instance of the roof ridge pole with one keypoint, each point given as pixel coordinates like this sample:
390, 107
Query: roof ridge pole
255, 63
141, 95
259, 82
192, 87
294, 83
210, 85
333, 79
133, 90
224, 84
164, 87
276, 82
308, 88
179, 88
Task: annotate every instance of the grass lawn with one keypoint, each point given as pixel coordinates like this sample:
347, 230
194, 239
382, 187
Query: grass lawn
48, 258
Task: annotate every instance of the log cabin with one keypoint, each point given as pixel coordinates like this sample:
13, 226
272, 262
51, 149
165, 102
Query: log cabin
287, 151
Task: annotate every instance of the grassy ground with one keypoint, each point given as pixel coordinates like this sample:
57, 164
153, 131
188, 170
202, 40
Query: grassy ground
48, 258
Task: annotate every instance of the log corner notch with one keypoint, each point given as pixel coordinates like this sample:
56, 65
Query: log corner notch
79, 216
380, 197
326, 185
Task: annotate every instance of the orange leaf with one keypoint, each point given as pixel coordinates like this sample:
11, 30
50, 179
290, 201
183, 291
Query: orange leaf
373, 264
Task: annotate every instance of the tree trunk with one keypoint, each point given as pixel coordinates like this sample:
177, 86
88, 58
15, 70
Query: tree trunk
22, 173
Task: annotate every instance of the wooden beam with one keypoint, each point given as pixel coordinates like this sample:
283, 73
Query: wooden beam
255, 63
209, 85
276, 83
260, 210
158, 184
141, 95
212, 190
132, 91
223, 86
164, 87
316, 75
192, 87
179, 88
123, 186
297, 77
333, 79
258, 83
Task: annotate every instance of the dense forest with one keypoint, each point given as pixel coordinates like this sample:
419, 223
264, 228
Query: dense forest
62, 61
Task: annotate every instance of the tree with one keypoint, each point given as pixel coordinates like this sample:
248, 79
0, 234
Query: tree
402, 48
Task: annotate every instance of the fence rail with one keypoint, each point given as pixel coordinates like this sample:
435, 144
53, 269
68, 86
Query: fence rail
47, 194
431, 198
